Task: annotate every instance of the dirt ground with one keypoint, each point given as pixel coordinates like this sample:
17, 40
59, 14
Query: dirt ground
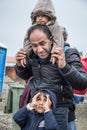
6, 119
81, 115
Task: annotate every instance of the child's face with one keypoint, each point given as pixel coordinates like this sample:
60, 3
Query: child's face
41, 101
42, 19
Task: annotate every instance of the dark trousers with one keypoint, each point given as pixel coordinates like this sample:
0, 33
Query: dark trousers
61, 115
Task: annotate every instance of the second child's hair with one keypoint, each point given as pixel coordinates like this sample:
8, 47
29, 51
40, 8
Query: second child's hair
43, 92
43, 28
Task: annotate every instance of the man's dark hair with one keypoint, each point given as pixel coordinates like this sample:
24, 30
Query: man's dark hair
43, 28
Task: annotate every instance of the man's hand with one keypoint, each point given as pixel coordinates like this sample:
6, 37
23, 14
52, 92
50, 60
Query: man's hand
58, 56
21, 58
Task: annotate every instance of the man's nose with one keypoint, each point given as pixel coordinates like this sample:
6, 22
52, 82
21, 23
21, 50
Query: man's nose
40, 49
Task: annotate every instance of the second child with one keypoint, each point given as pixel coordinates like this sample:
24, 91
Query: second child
38, 114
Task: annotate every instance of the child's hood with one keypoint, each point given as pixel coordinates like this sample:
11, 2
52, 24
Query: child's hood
43, 7
51, 93
53, 98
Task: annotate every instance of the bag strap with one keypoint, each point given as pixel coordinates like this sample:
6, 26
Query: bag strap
28, 80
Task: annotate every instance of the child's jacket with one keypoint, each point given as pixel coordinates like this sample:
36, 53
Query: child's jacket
31, 120
45, 7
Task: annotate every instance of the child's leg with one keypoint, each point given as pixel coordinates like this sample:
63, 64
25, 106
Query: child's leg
61, 115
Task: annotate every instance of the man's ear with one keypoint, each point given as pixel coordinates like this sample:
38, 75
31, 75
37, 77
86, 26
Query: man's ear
51, 39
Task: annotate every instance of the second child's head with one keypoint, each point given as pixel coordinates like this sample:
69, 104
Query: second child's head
45, 100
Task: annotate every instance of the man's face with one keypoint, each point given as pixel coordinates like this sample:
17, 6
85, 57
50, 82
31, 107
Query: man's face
41, 45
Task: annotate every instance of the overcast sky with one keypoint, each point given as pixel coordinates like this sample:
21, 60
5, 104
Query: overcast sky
15, 19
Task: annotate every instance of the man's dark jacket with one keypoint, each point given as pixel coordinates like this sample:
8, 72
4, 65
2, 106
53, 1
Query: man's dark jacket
48, 75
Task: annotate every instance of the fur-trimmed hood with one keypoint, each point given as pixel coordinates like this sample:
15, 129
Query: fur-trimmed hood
44, 7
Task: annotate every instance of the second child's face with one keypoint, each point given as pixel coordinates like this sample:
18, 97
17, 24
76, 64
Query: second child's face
41, 101
42, 19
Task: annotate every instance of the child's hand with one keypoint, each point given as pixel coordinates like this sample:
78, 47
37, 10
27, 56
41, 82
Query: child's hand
21, 58
48, 104
34, 101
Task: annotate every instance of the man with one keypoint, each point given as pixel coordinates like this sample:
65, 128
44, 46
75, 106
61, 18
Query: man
46, 69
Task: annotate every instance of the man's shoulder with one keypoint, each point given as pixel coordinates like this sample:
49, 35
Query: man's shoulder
70, 50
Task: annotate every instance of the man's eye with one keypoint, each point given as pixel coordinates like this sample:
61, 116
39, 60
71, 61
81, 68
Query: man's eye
34, 46
43, 43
